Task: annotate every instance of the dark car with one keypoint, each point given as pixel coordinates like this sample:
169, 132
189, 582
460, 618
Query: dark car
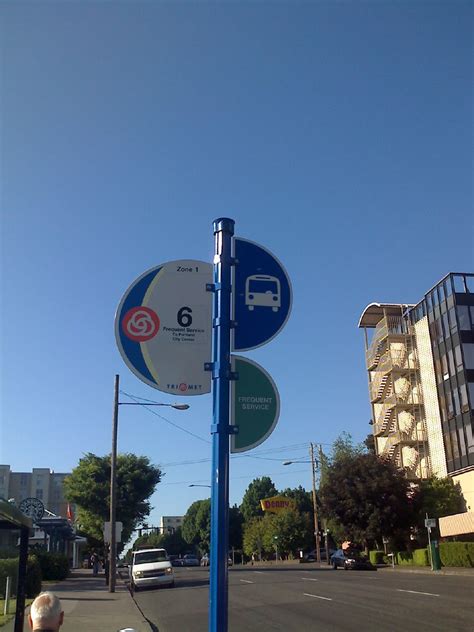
190, 560
351, 560
311, 556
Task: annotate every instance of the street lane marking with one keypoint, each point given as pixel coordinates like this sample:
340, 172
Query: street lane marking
309, 579
417, 592
260, 572
246, 581
317, 596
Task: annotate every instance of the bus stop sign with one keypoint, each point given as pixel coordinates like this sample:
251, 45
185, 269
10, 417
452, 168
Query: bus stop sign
262, 296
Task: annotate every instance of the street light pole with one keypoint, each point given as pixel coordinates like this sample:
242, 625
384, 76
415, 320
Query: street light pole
113, 476
315, 504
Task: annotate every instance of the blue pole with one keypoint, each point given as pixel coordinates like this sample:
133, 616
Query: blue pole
218, 588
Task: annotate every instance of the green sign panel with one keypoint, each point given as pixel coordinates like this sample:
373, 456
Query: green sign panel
255, 405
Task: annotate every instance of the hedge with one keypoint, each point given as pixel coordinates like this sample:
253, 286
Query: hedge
9, 568
457, 554
54, 566
419, 557
376, 557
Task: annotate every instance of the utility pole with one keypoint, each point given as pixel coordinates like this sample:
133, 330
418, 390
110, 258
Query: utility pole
325, 526
315, 504
113, 494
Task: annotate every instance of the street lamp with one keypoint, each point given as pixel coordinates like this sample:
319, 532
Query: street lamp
196, 485
315, 504
113, 475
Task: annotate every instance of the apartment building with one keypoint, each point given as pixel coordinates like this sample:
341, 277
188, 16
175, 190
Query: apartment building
420, 363
169, 524
41, 483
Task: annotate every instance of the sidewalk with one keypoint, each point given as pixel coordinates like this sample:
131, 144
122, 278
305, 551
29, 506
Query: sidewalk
88, 605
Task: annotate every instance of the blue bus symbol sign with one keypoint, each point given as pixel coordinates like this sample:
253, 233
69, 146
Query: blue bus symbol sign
262, 291
261, 296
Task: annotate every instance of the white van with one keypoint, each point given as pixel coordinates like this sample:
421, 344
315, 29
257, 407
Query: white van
151, 567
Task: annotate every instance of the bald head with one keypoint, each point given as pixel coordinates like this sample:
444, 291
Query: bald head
46, 613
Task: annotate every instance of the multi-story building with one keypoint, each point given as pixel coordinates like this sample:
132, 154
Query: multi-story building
41, 483
169, 524
420, 362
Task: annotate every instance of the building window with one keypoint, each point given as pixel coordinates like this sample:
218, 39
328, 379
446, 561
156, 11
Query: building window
458, 357
470, 439
457, 408
23, 480
468, 350
452, 320
469, 278
462, 443
459, 286
444, 367
451, 362
463, 394
448, 287
471, 394
463, 315
454, 443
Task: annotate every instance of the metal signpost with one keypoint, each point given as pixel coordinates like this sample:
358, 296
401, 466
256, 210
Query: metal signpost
163, 332
258, 287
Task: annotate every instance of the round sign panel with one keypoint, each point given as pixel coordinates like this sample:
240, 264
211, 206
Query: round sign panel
32, 507
163, 327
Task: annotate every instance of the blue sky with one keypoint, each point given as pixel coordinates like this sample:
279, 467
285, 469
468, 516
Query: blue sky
337, 135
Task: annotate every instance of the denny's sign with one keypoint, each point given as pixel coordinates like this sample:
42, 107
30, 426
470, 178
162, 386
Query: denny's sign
276, 504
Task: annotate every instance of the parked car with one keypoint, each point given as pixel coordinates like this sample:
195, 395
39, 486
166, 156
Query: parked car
351, 560
150, 567
205, 561
311, 556
190, 560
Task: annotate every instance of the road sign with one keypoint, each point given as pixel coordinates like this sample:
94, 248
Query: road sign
163, 327
430, 523
262, 295
255, 404
107, 531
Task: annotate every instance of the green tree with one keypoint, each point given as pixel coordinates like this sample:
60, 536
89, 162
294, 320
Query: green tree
235, 527
196, 528
304, 499
344, 448
173, 543
258, 489
438, 497
368, 497
255, 537
292, 530
88, 486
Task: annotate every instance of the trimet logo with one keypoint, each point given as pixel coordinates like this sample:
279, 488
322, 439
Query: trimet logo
183, 387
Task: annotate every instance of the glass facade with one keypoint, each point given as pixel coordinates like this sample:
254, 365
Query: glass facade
449, 307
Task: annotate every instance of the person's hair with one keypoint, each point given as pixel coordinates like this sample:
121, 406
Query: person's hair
46, 607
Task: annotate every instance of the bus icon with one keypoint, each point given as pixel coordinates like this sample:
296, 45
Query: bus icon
262, 290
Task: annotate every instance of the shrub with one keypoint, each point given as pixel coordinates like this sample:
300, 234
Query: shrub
404, 558
33, 577
8, 568
420, 557
376, 557
54, 566
457, 553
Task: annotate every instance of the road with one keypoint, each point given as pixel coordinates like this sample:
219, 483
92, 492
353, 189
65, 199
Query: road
303, 598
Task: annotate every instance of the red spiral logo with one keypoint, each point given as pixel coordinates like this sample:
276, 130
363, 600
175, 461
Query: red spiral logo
140, 324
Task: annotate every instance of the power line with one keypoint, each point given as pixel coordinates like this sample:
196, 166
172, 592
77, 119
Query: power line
234, 478
151, 410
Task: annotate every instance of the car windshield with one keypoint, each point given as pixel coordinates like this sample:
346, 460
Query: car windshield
150, 556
